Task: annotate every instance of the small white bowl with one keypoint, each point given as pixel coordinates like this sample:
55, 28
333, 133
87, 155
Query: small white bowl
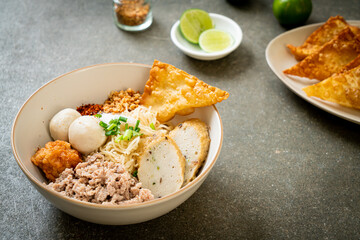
92, 85
193, 50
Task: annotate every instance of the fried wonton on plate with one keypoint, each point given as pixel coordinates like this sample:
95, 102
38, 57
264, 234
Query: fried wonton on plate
330, 59
326, 32
353, 64
170, 90
355, 30
342, 88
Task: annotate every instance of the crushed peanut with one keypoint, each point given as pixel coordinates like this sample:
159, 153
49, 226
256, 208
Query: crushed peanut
131, 12
121, 101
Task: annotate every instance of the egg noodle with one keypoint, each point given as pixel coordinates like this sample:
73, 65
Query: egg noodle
127, 152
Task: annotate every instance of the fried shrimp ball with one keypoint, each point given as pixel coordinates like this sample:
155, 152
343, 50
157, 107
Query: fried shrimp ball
55, 157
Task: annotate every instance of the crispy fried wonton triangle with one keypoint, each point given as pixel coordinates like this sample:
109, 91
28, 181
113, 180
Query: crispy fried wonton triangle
353, 64
341, 88
332, 27
170, 90
331, 58
355, 30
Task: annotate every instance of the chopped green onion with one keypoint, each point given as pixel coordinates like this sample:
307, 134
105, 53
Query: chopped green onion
137, 124
109, 133
119, 138
126, 126
98, 115
128, 134
111, 126
152, 126
137, 129
102, 124
123, 119
131, 127
135, 134
116, 121
135, 173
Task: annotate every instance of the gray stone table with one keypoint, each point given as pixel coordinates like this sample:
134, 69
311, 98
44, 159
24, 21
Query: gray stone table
287, 169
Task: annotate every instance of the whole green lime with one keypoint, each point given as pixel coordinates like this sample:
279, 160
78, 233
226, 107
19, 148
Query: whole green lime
292, 12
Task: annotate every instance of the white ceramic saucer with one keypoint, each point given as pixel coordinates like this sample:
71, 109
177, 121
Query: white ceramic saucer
193, 50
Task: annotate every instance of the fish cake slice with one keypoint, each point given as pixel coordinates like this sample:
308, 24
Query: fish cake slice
192, 138
330, 59
161, 167
170, 90
341, 88
332, 27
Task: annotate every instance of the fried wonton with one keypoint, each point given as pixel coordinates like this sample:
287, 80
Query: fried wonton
341, 88
355, 30
332, 27
353, 64
170, 90
331, 58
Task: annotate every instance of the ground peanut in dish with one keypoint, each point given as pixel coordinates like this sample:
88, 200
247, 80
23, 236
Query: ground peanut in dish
131, 12
121, 101
100, 181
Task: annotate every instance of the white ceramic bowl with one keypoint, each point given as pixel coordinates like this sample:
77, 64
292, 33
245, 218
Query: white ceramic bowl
92, 85
193, 50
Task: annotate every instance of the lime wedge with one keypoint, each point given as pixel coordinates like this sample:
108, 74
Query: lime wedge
193, 22
215, 40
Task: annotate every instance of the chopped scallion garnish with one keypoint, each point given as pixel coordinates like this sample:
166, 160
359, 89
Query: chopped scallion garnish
137, 124
98, 115
135, 134
102, 124
128, 134
109, 133
123, 119
119, 138
152, 126
111, 126
116, 121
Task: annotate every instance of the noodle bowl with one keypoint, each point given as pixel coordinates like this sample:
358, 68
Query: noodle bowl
32, 113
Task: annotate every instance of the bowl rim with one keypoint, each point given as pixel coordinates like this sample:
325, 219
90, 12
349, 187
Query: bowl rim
237, 39
101, 206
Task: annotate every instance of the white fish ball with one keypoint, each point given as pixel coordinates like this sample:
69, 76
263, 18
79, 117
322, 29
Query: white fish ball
86, 135
60, 123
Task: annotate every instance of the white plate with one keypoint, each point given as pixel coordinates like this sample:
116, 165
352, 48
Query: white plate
279, 58
193, 50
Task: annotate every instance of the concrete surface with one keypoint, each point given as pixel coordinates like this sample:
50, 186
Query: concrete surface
287, 169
